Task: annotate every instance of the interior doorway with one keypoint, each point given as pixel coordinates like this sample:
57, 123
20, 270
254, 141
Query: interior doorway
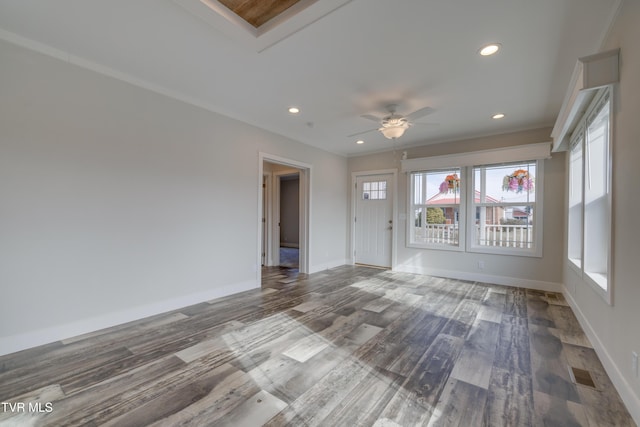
284, 200
289, 219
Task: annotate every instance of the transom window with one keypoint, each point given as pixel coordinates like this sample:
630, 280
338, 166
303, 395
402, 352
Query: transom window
374, 190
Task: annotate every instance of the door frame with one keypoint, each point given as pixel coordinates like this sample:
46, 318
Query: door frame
394, 206
305, 209
266, 219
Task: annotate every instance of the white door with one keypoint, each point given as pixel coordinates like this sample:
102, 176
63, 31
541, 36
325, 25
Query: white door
374, 219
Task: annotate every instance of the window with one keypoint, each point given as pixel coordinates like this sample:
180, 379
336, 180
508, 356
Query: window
575, 201
487, 201
374, 190
490, 208
504, 207
435, 209
589, 245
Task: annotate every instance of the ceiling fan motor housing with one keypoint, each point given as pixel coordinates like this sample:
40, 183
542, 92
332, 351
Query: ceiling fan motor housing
395, 121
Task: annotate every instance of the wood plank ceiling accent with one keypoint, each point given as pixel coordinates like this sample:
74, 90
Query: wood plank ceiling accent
257, 12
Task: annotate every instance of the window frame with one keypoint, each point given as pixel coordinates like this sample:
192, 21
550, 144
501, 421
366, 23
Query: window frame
536, 247
576, 140
460, 247
603, 97
466, 224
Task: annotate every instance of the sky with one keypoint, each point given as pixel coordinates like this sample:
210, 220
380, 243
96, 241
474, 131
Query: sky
494, 178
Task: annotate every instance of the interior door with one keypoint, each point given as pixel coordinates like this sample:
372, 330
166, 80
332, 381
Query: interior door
374, 219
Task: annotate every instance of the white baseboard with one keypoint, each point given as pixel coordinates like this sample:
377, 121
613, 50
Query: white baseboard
630, 399
11, 344
484, 278
327, 265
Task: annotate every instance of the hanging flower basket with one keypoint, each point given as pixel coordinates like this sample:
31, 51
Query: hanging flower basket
451, 184
518, 181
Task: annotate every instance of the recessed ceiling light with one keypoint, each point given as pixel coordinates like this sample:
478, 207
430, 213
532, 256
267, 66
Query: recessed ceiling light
498, 116
359, 141
489, 49
294, 110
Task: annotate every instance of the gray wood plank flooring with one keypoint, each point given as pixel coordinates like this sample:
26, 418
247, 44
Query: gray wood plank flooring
351, 346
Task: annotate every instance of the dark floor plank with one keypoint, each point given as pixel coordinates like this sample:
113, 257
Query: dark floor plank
415, 401
509, 400
461, 404
549, 365
538, 310
363, 405
513, 352
549, 411
474, 363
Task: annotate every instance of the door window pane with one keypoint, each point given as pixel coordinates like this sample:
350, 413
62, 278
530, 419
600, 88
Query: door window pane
374, 190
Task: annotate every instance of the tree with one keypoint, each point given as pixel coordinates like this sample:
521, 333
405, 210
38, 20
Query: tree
435, 216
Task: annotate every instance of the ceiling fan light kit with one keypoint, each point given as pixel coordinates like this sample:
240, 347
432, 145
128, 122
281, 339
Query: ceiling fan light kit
394, 128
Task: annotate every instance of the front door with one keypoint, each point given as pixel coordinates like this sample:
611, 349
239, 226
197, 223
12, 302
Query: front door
374, 219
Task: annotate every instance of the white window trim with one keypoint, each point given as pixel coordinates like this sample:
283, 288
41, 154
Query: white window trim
572, 264
460, 247
536, 250
606, 294
537, 151
465, 161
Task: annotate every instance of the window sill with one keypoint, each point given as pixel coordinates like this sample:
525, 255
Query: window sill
599, 279
576, 265
439, 247
532, 253
600, 284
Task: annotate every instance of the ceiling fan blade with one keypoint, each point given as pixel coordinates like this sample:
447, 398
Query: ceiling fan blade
360, 133
420, 113
371, 117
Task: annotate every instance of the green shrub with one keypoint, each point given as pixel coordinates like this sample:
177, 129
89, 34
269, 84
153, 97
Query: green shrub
435, 216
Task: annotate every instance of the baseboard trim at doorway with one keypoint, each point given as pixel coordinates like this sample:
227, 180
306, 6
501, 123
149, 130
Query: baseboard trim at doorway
379, 267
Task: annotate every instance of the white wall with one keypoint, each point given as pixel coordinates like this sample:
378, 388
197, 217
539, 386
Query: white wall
290, 212
614, 330
541, 273
118, 202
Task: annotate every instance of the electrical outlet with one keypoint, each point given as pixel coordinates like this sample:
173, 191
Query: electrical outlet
480, 265
634, 363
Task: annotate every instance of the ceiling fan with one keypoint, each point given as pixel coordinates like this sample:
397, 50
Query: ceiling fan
393, 125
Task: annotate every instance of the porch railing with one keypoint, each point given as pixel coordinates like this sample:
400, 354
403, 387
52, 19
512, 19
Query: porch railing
510, 236
437, 233
514, 236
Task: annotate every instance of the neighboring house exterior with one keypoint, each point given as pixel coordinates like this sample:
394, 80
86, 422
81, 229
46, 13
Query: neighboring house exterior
493, 214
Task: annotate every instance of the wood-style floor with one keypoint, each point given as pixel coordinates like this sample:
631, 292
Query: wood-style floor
352, 346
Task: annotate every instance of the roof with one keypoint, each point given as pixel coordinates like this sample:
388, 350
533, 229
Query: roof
452, 199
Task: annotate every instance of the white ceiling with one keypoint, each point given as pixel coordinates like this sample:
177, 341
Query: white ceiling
351, 62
